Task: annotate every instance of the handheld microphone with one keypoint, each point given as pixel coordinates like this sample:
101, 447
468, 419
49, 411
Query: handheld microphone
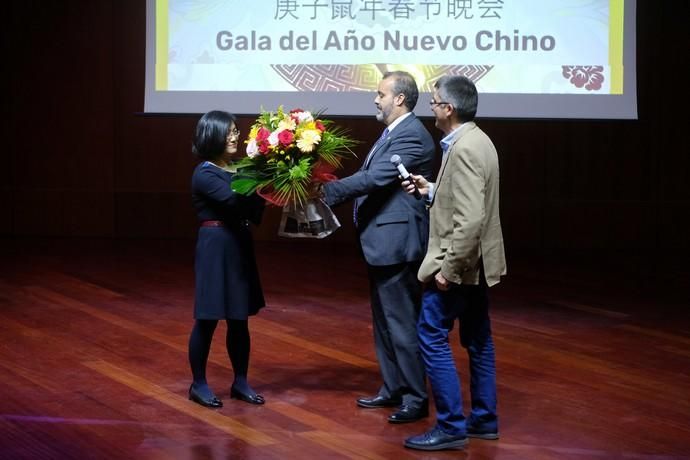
395, 159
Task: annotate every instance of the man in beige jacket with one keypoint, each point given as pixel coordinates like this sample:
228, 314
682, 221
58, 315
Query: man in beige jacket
465, 256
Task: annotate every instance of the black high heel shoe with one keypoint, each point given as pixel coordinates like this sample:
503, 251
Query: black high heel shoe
212, 402
251, 399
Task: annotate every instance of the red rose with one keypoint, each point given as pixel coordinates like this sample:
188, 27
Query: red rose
263, 148
294, 114
286, 137
262, 134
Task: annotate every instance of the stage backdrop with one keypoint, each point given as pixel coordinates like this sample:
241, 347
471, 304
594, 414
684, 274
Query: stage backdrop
80, 159
529, 58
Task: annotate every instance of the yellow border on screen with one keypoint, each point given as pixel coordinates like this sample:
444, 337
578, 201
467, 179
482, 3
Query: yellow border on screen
161, 45
616, 29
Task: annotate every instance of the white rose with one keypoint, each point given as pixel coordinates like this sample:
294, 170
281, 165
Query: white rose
273, 138
252, 149
305, 117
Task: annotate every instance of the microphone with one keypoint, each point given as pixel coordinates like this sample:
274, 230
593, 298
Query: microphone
395, 159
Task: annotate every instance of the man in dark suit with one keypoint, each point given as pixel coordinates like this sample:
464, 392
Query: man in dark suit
393, 230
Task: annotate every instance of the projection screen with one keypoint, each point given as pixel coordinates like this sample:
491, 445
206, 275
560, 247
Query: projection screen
528, 58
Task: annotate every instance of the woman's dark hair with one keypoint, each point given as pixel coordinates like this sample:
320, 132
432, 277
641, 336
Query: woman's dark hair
211, 134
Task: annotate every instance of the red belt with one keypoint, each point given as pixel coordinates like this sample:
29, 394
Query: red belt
212, 223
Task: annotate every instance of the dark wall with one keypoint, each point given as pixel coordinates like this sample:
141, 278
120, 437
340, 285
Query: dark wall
80, 161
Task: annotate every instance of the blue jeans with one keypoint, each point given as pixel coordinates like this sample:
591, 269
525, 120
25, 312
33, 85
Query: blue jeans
470, 305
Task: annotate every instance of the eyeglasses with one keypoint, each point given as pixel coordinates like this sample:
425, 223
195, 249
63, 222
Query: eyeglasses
433, 103
234, 132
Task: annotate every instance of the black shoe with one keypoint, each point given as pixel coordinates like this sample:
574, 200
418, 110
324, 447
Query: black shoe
436, 440
378, 401
473, 432
407, 414
251, 399
212, 401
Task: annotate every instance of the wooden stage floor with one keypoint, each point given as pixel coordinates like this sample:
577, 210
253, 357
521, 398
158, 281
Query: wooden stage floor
592, 363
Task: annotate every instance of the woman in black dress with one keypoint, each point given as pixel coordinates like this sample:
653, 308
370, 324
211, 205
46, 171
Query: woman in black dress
227, 280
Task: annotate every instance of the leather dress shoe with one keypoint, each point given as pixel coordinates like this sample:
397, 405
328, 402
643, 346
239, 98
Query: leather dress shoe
251, 399
479, 433
407, 413
436, 439
378, 401
212, 401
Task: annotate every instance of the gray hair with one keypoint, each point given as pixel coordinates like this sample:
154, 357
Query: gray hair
459, 92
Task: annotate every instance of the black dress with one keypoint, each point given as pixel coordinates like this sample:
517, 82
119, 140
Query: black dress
227, 279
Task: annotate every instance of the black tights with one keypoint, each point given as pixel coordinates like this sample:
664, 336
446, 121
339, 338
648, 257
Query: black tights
237, 343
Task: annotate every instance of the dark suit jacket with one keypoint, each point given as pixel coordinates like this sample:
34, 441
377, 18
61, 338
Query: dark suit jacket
393, 226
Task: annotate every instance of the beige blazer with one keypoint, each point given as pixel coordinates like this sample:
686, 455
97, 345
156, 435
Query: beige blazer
464, 221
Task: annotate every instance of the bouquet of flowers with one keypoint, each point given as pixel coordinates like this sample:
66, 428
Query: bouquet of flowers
288, 155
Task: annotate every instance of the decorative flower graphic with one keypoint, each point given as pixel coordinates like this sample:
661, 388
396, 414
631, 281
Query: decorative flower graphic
589, 76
